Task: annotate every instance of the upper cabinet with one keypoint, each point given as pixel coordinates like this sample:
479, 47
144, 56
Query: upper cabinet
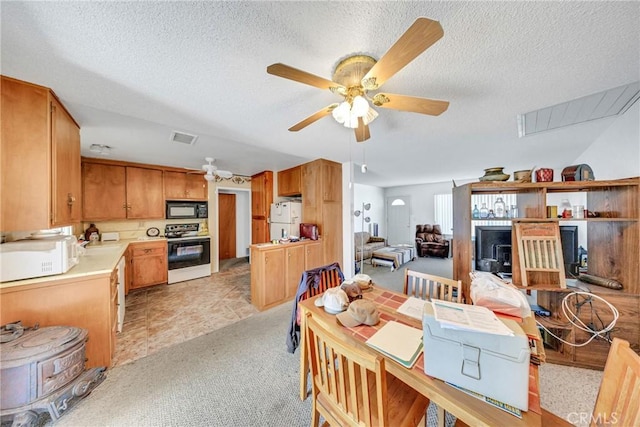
40, 158
290, 182
115, 191
184, 186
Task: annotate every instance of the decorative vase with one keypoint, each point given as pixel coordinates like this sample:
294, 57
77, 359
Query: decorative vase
544, 175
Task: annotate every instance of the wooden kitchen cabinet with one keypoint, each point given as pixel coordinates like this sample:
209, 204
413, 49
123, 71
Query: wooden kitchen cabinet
84, 302
149, 264
313, 256
261, 199
184, 186
112, 190
322, 204
294, 265
276, 270
40, 158
290, 182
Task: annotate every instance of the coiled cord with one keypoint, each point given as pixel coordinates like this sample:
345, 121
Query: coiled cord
573, 318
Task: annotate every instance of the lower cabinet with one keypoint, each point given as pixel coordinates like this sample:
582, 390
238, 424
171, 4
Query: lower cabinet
85, 302
276, 270
149, 264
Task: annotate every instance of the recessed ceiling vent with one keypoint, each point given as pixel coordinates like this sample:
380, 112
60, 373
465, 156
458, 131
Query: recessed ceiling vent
608, 103
183, 138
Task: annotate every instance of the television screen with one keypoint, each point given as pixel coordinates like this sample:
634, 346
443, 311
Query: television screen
569, 239
493, 249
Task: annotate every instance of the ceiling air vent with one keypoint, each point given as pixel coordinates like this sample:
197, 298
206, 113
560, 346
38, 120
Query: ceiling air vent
183, 138
608, 103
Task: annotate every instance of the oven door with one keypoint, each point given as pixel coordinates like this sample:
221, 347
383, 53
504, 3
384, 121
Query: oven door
188, 253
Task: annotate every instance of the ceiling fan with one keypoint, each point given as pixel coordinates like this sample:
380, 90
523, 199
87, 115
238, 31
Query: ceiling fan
213, 171
357, 75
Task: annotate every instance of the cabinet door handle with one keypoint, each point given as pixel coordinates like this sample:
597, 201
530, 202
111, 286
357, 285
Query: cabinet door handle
124, 206
70, 199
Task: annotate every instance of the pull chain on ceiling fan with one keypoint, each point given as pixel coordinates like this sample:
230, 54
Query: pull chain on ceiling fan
357, 75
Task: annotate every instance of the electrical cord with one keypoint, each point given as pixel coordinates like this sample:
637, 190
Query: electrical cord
573, 318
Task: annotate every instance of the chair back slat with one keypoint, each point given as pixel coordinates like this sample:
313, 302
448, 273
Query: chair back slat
428, 286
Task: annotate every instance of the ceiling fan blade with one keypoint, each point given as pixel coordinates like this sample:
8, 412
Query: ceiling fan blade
312, 118
362, 131
414, 104
287, 72
423, 33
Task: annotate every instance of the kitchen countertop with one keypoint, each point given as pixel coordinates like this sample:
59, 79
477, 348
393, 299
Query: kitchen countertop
98, 258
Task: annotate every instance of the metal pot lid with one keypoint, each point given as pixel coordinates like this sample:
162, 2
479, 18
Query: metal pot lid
40, 344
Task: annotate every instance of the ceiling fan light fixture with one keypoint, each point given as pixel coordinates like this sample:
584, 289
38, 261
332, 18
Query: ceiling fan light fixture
209, 177
341, 112
359, 107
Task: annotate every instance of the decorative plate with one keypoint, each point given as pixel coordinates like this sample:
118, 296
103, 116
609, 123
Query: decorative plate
153, 232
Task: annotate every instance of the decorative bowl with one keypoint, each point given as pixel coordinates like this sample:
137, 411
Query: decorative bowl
522, 176
494, 174
499, 177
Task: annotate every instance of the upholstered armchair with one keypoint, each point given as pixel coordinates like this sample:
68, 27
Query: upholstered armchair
430, 241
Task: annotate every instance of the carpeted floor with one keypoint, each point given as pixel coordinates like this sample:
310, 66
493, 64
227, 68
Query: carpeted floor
242, 375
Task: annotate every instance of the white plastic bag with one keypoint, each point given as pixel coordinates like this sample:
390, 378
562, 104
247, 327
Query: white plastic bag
497, 295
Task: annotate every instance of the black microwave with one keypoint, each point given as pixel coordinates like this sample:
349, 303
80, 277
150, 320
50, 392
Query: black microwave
186, 210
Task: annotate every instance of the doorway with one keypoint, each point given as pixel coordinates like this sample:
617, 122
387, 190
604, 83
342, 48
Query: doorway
398, 220
226, 226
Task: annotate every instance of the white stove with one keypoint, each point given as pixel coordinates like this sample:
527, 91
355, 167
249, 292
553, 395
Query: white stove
189, 254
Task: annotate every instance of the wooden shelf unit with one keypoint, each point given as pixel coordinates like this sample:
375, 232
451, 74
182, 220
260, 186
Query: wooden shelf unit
613, 245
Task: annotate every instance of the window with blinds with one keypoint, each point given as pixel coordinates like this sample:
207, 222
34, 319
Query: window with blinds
443, 210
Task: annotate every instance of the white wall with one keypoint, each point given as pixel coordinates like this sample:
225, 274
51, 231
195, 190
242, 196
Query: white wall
616, 153
374, 196
422, 206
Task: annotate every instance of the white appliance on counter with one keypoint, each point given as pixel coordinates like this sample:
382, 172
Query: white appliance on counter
37, 257
285, 219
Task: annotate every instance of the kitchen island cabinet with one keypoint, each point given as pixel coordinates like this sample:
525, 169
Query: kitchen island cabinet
276, 270
113, 190
39, 132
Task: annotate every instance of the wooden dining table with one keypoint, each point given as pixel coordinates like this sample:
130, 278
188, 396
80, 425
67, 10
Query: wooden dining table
463, 406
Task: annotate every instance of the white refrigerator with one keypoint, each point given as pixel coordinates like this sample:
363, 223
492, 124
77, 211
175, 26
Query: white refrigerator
285, 220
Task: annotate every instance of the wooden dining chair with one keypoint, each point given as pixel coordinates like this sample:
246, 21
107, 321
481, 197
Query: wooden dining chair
427, 286
350, 387
618, 401
328, 278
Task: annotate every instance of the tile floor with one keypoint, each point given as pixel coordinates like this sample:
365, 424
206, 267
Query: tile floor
165, 315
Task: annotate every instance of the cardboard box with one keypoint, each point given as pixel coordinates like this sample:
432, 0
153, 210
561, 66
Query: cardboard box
496, 366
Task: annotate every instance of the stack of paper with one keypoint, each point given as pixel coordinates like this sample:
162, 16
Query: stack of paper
413, 307
468, 317
398, 341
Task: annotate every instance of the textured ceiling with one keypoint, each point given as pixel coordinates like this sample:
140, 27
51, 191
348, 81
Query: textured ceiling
132, 72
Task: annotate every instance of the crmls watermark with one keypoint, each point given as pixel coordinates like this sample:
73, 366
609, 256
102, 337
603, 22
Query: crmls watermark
585, 418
